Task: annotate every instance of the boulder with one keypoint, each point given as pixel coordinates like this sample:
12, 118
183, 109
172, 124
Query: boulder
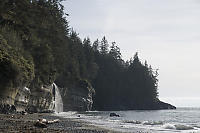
40, 124
114, 115
7, 108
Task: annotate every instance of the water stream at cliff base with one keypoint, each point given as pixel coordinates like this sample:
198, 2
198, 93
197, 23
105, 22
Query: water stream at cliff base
58, 100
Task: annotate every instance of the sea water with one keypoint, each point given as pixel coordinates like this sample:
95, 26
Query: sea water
181, 120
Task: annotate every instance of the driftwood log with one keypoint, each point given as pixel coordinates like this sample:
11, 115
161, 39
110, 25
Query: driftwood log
42, 123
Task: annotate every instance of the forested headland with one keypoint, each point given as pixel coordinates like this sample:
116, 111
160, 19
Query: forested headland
37, 47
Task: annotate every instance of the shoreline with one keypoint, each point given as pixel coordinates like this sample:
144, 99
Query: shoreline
17, 123
25, 123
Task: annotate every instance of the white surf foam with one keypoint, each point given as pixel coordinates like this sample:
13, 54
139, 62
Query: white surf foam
183, 127
178, 127
152, 123
132, 121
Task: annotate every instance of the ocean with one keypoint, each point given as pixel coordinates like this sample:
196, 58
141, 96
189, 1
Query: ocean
181, 120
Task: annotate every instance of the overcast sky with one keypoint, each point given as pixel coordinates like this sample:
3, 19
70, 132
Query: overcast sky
166, 33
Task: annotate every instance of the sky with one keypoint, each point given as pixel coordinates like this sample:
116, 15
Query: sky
166, 33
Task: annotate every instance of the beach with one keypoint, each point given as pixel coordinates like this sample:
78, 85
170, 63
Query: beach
18, 123
182, 120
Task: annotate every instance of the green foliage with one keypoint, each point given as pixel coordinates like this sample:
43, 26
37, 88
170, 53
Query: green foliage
104, 46
120, 85
115, 51
15, 70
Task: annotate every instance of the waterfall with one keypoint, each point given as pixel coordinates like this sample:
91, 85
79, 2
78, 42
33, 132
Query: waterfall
57, 100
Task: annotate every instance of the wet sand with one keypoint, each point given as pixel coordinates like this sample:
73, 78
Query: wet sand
17, 123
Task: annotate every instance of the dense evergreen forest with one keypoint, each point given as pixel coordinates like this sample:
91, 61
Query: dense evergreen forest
37, 47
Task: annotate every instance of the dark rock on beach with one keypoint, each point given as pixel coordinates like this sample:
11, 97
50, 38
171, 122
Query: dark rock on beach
40, 124
114, 115
7, 108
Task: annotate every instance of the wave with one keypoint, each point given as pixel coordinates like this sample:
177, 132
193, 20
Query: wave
144, 123
152, 123
177, 127
183, 127
169, 126
132, 121
102, 119
165, 126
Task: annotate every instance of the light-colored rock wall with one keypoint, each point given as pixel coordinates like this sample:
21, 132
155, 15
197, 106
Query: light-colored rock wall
41, 100
78, 98
22, 99
7, 95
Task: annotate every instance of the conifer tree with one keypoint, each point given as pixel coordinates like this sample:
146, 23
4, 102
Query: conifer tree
104, 46
115, 51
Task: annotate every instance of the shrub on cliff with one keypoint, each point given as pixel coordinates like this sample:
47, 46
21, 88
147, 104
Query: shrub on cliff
15, 71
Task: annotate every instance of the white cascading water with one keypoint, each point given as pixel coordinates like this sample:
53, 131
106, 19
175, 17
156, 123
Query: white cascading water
58, 100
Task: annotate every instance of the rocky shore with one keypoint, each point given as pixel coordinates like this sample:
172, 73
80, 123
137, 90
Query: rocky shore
18, 123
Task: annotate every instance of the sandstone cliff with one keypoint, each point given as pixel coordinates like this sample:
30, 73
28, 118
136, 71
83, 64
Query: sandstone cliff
78, 98
41, 100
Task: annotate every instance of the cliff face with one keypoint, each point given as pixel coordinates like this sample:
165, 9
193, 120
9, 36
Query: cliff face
78, 98
7, 96
22, 99
7, 100
41, 100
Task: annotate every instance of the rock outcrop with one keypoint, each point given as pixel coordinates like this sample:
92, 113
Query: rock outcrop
14, 99
22, 99
114, 115
41, 100
7, 100
78, 98
163, 105
157, 105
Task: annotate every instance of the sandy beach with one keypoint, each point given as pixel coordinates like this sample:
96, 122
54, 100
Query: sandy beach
17, 123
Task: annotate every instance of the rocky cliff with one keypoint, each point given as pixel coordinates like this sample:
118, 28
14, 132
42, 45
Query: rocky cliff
41, 100
23, 99
78, 98
7, 100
